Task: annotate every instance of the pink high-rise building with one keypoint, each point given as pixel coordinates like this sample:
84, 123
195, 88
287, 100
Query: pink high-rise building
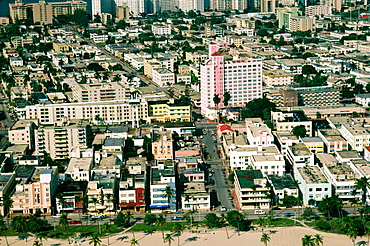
241, 78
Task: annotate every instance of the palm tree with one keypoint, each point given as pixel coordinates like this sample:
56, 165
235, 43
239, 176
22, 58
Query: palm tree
168, 193
318, 239
64, 221
227, 98
353, 234
134, 242
216, 101
362, 184
107, 228
7, 203
19, 223
168, 238
178, 228
95, 239
223, 220
308, 240
265, 238
261, 222
160, 221
37, 243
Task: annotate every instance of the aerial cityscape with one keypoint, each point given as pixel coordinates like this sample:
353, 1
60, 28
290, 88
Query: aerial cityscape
204, 122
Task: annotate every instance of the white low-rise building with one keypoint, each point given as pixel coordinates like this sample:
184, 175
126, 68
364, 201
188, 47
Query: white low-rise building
79, 168
163, 77
356, 135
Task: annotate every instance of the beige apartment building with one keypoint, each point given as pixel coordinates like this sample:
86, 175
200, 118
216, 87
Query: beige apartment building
101, 92
163, 77
36, 193
42, 13
123, 12
162, 144
277, 77
22, 132
318, 10
301, 23
60, 140
108, 111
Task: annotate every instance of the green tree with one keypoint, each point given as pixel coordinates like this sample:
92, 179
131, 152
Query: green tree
168, 238
234, 218
127, 219
37, 243
308, 240
95, 239
308, 69
299, 131
331, 206
265, 238
318, 239
119, 220
212, 220
308, 213
160, 222
61, 200
168, 194
258, 108
80, 17
19, 224
179, 229
150, 219
362, 184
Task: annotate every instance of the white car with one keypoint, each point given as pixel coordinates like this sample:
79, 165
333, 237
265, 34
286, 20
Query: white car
57, 216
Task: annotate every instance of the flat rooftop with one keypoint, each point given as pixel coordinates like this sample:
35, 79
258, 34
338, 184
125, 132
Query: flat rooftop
83, 164
312, 175
349, 154
300, 149
262, 130
246, 177
282, 182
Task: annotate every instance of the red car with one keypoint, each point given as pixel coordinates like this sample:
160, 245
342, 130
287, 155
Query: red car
75, 222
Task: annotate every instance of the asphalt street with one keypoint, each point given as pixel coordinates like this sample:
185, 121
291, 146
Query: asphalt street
213, 159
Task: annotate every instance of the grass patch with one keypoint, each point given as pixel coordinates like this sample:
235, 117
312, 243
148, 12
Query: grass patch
73, 231
167, 227
11, 232
278, 222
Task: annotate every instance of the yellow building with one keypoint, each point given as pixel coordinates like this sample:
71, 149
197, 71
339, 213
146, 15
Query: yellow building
301, 23
169, 112
60, 47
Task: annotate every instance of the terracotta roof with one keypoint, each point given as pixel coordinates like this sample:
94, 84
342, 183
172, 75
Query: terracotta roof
225, 127
216, 54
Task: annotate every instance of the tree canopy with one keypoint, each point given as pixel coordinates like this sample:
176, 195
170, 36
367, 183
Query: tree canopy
260, 108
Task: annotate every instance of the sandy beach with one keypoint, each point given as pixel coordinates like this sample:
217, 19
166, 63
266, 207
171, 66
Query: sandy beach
287, 236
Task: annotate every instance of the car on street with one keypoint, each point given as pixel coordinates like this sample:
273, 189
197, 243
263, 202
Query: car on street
289, 214
57, 216
179, 212
75, 222
176, 218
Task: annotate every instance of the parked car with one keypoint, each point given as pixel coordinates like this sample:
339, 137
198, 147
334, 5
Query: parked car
259, 212
176, 218
75, 222
57, 216
289, 214
179, 212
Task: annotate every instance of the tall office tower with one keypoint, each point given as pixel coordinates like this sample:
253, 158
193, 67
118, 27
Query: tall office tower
241, 78
335, 4
42, 13
268, 5
284, 15
122, 12
136, 6
221, 4
95, 7
239, 4
186, 5
18, 10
